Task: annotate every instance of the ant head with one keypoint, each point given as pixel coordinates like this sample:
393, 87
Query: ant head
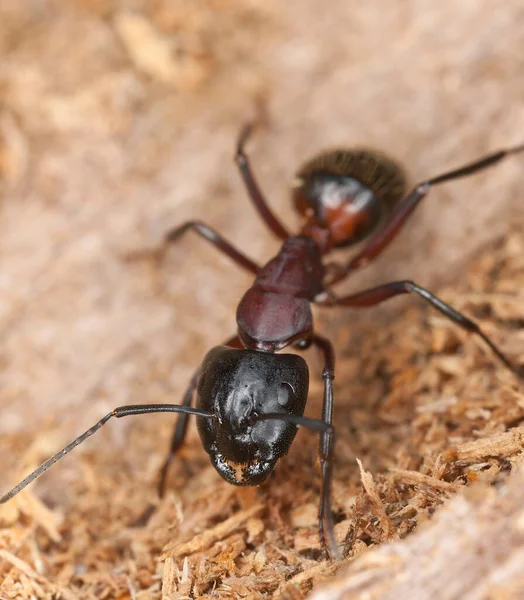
346, 193
240, 387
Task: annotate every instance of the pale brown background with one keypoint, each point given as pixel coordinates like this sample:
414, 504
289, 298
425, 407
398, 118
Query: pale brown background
118, 120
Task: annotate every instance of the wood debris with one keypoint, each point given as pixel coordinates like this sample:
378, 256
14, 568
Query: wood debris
117, 121
432, 433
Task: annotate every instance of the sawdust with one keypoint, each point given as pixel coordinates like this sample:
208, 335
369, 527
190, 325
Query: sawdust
117, 124
430, 431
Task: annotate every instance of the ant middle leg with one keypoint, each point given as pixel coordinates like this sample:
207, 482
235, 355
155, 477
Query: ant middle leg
205, 232
253, 189
383, 236
379, 294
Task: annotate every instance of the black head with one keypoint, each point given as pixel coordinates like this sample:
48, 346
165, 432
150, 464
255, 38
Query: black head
237, 386
347, 192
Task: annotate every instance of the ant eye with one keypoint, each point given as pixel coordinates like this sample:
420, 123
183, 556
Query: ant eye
285, 395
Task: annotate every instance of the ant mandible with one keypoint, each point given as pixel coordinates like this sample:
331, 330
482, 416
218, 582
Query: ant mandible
250, 400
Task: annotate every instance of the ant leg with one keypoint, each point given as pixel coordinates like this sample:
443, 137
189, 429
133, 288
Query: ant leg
253, 189
180, 432
205, 232
326, 530
381, 238
179, 435
379, 294
325, 516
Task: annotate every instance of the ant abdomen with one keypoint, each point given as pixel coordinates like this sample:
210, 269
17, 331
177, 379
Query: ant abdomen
348, 192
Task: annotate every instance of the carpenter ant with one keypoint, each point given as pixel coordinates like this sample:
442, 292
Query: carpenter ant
250, 400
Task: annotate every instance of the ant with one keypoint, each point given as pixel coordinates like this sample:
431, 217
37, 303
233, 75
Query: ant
250, 401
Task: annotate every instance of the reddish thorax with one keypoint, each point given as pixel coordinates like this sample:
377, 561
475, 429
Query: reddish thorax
276, 311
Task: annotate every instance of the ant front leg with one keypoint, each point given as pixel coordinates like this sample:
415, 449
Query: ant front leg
179, 434
253, 189
379, 294
381, 238
205, 232
327, 439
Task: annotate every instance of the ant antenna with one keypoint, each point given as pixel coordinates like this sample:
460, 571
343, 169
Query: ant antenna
122, 411
315, 424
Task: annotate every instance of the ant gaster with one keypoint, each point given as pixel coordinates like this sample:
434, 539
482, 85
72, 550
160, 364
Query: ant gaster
250, 400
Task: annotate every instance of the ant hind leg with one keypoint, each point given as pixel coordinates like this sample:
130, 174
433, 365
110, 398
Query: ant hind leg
252, 187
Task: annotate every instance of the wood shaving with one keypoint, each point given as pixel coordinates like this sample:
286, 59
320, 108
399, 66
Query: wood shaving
118, 121
93, 530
